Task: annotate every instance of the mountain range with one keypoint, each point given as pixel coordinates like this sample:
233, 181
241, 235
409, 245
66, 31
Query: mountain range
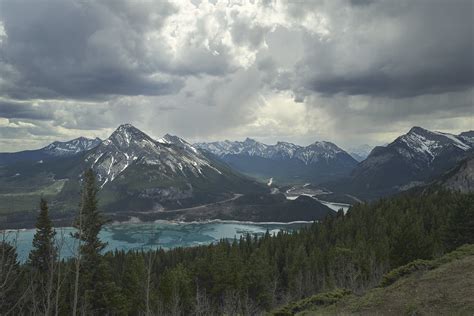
284, 162
169, 178
413, 159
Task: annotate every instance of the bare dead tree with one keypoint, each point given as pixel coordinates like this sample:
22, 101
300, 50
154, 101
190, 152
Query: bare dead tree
77, 265
150, 256
202, 304
175, 307
250, 307
231, 304
60, 243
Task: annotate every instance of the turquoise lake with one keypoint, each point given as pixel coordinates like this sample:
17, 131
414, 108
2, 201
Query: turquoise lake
166, 235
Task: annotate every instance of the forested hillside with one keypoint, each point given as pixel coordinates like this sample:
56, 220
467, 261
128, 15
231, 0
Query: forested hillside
250, 275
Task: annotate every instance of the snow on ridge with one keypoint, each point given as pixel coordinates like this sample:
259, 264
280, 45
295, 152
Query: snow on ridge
71, 147
281, 150
456, 140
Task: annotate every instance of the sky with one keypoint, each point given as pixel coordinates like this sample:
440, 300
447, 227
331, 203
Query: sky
348, 71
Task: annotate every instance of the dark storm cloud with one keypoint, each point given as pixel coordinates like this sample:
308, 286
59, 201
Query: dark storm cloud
217, 69
17, 110
81, 49
385, 84
393, 50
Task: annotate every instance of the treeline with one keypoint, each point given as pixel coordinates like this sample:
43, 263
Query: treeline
247, 276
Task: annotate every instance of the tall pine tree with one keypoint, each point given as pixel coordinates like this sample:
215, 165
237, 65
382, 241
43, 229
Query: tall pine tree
44, 253
88, 223
97, 289
42, 260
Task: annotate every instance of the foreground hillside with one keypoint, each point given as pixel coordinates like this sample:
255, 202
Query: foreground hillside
437, 287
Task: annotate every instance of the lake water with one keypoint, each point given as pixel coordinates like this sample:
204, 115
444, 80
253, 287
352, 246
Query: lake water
163, 234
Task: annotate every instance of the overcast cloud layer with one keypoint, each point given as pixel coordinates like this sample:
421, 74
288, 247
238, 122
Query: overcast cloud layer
351, 72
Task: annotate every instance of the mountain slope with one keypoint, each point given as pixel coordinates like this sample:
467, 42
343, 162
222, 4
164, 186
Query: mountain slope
52, 151
460, 178
284, 162
412, 159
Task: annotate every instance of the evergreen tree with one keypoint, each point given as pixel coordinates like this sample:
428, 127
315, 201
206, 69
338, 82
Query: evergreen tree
42, 261
43, 255
88, 223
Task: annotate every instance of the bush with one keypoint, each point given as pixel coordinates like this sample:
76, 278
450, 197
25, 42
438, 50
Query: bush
406, 269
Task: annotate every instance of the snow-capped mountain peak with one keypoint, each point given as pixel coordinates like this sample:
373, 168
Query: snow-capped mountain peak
318, 151
423, 144
71, 147
126, 135
128, 146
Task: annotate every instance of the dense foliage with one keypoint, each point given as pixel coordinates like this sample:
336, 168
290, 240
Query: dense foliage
254, 274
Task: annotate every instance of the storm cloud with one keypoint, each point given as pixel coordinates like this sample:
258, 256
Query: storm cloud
341, 70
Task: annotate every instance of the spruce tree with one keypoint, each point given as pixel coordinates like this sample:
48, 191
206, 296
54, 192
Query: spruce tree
88, 223
42, 261
44, 253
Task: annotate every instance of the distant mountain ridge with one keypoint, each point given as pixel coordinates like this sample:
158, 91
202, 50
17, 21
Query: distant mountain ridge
53, 150
412, 159
360, 152
283, 161
72, 147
